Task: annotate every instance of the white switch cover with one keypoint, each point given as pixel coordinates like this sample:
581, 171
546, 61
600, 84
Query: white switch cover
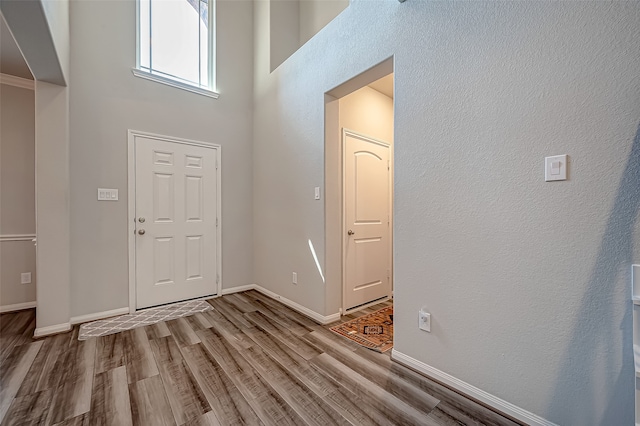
555, 168
25, 278
107, 194
317, 193
424, 320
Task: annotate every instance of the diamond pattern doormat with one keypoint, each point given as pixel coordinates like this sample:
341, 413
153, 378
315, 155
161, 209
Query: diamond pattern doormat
373, 331
142, 318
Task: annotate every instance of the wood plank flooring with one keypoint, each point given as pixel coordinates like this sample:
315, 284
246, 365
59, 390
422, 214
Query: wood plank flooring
250, 361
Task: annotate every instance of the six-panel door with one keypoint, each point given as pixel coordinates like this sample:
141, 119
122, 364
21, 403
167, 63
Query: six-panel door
176, 196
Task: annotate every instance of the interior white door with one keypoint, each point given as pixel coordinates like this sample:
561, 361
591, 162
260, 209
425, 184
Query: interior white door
176, 211
367, 220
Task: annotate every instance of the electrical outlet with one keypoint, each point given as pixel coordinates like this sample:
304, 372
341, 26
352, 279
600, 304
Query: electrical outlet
294, 279
424, 321
25, 278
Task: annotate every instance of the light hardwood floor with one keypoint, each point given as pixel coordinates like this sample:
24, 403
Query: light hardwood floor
250, 361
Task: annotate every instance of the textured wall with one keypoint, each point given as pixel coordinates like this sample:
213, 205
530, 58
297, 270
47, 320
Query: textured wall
107, 100
17, 193
527, 281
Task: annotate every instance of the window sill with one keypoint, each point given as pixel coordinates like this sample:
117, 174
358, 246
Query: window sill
173, 83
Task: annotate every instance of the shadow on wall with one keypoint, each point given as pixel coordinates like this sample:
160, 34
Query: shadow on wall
592, 346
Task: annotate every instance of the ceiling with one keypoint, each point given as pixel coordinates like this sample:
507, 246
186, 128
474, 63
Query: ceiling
11, 60
384, 85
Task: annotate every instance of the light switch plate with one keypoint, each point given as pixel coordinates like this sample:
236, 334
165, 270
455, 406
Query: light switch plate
555, 168
107, 194
424, 320
317, 193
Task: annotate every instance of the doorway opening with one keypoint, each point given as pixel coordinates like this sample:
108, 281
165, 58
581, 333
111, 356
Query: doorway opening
17, 177
359, 123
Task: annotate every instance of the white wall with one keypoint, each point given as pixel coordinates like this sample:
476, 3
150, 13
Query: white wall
41, 31
57, 14
17, 193
52, 207
284, 24
315, 14
527, 281
107, 100
368, 112
293, 22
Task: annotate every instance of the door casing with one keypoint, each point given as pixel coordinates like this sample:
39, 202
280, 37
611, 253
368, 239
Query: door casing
345, 133
131, 201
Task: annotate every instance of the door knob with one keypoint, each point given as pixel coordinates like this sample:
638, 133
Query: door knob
141, 219
141, 232
350, 232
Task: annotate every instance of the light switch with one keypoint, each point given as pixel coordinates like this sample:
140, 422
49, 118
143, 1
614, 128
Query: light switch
317, 193
555, 168
107, 194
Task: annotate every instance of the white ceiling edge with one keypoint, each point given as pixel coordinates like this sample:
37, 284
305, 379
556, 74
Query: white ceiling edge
12, 80
384, 85
11, 58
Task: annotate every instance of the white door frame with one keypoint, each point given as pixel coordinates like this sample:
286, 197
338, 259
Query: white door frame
132, 205
346, 132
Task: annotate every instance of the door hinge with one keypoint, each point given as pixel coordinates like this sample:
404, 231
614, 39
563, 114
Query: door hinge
217, 279
388, 164
216, 222
216, 163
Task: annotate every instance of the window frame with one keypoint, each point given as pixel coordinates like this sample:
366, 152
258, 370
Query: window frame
194, 88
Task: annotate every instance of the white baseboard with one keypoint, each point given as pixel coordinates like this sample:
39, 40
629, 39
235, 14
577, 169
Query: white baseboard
471, 391
52, 329
238, 289
322, 319
17, 307
98, 315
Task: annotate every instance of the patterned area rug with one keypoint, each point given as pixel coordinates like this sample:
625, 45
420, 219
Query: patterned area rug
142, 318
373, 331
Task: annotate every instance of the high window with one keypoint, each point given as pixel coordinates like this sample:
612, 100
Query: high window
175, 43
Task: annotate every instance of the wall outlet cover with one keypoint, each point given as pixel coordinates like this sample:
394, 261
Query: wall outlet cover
25, 278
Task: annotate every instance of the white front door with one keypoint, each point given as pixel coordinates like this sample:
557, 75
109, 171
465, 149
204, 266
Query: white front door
367, 245
175, 221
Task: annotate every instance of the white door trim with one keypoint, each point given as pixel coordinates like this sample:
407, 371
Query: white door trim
131, 200
346, 132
